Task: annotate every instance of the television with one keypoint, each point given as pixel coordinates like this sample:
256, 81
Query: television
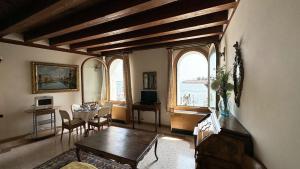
148, 97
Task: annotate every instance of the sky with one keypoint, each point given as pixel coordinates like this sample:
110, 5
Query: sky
192, 65
116, 70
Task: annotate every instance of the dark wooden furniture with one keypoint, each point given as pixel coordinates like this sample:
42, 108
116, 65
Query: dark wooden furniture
155, 107
222, 151
70, 124
103, 117
223, 141
126, 146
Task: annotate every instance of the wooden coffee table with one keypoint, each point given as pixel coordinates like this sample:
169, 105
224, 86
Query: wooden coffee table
126, 146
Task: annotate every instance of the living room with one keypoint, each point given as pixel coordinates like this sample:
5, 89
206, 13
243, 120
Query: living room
266, 35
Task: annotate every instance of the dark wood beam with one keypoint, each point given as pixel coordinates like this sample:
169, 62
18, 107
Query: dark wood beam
230, 18
165, 41
99, 14
201, 41
172, 12
36, 14
15, 42
195, 34
199, 22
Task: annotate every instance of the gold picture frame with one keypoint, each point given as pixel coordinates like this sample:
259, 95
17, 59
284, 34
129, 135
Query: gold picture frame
54, 77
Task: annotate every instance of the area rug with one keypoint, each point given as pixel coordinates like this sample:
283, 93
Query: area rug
69, 156
173, 153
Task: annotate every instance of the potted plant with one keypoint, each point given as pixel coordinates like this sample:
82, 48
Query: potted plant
223, 89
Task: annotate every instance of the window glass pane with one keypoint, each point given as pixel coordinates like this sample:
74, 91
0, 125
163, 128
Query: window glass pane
94, 80
212, 76
192, 80
116, 80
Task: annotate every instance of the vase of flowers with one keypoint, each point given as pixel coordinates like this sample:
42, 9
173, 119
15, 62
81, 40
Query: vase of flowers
223, 89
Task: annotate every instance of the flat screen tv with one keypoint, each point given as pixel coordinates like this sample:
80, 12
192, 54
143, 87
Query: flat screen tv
148, 97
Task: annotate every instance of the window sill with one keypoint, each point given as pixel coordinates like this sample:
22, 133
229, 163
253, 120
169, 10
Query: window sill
186, 112
190, 108
118, 102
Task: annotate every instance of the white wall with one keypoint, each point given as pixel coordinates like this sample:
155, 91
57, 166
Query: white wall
147, 61
15, 86
269, 34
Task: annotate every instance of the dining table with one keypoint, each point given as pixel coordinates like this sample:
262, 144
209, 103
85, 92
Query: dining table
86, 115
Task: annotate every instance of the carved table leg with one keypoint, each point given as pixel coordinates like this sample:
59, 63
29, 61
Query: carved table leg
133, 166
155, 147
159, 114
78, 154
132, 116
155, 120
139, 119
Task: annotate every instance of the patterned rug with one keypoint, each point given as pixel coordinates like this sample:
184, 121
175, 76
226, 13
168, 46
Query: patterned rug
69, 156
172, 154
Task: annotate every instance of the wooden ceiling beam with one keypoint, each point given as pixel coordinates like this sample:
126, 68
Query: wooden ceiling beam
172, 12
15, 42
99, 14
195, 34
40, 12
196, 23
202, 41
161, 42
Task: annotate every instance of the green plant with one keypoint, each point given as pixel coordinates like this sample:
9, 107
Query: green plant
221, 84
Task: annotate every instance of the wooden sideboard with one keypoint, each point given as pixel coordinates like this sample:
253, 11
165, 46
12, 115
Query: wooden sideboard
214, 123
223, 141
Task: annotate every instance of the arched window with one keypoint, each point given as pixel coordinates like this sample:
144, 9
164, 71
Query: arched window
116, 79
192, 80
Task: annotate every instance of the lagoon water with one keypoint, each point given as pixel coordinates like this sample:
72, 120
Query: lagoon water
53, 85
198, 94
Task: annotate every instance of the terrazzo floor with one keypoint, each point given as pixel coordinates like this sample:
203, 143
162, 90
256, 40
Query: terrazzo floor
174, 151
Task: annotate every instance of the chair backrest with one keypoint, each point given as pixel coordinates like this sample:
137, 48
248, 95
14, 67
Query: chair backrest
64, 116
75, 107
109, 105
90, 105
104, 111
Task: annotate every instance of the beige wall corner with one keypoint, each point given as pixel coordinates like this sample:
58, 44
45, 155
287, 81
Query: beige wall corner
268, 32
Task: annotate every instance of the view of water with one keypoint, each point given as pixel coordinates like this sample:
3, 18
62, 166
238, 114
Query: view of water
52, 85
192, 94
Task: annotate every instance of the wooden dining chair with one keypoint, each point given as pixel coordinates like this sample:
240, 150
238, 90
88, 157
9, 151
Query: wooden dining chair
101, 119
74, 108
108, 116
68, 123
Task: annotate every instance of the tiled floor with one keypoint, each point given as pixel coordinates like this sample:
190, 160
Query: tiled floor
32, 154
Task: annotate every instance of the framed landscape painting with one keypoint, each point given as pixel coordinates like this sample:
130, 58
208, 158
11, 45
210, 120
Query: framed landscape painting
53, 77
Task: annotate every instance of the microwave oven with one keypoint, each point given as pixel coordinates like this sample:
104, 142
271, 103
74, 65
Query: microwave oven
43, 102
